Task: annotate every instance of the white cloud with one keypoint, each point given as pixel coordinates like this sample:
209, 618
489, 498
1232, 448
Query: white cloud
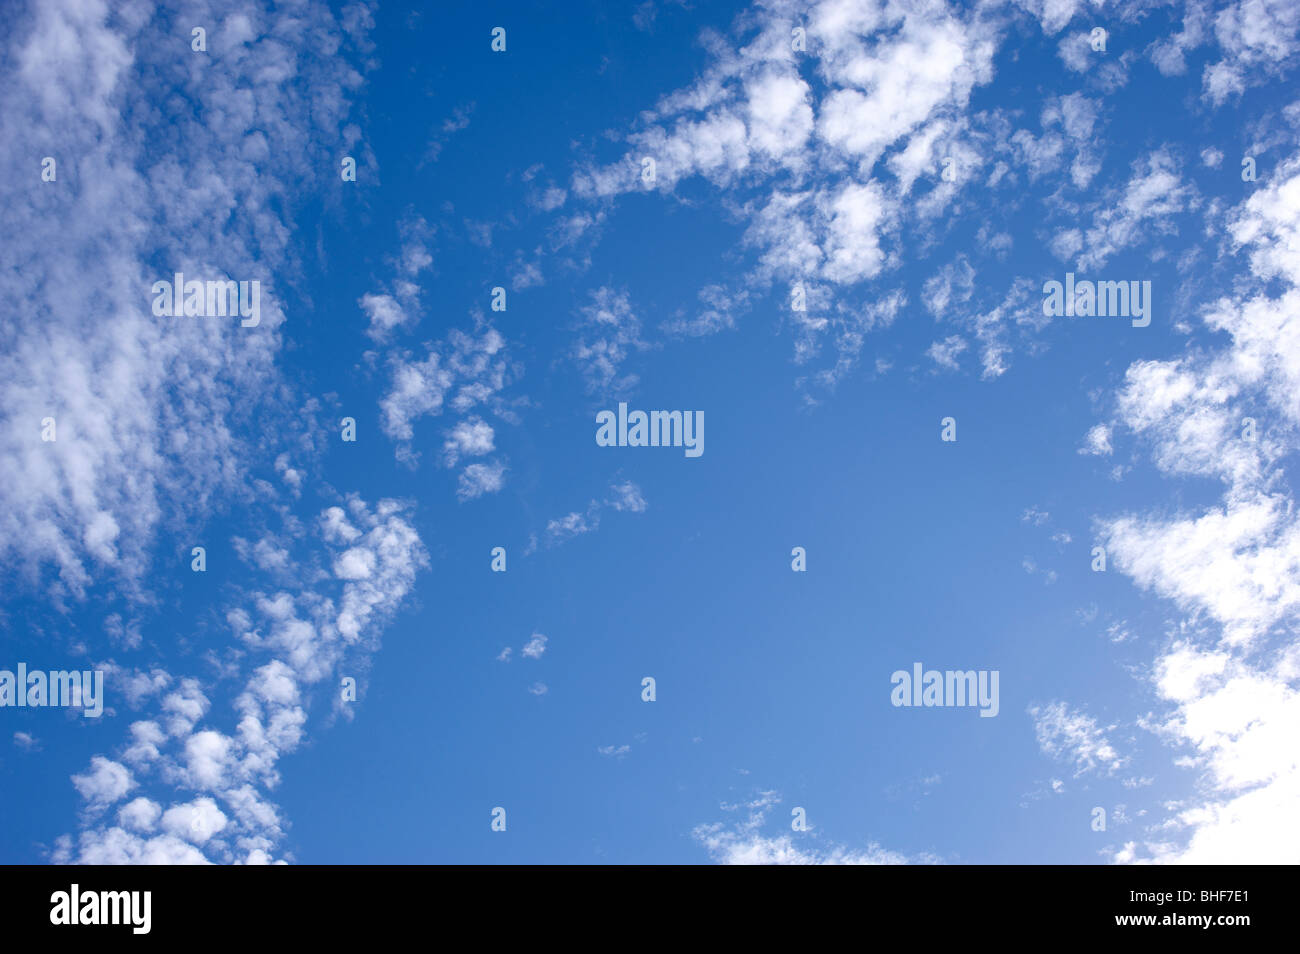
1148, 205
335, 526
115, 846
1228, 683
473, 437
106, 782
743, 843
354, 564
267, 553
720, 306
139, 187
463, 373
628, 497
608, 332
1074, 737
855, 215
207, 757
795, 158
384, 313
479, 479
1169, 52
572, 525
308, 635
944, 353
195, 821
1075, 51
147, 736
535, 647
952, 284
1259, 40
1097, 441
1035, 516
140, 815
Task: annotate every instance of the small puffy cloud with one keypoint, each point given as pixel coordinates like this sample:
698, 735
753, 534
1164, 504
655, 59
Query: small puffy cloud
291, 476
139, 814
1076, 52
106, 782
207, 757
125, 634
944, 353
147, 737
185, 706
551, 199
336, 528
527, 275
479, 479
385, 314
195, 821
357, 563
1097, 441
265, 554
627, 496
535, 647
137, 686
274, 684
573, 525
471, 438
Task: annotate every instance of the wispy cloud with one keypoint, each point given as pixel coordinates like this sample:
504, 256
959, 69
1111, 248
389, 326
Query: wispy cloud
1076, 738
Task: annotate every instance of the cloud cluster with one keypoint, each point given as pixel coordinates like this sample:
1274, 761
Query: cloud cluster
626, 497
744, 843
464, 375
795, 126
1075, 737
205, 787
166, 161
1229, 680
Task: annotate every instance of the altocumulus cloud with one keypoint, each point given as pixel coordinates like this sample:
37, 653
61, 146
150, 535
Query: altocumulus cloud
226, 762
137, 196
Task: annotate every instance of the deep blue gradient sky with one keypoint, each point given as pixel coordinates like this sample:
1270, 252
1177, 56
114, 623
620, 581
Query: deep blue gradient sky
1159, 690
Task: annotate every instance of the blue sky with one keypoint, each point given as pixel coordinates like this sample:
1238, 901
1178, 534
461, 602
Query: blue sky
1162, 691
